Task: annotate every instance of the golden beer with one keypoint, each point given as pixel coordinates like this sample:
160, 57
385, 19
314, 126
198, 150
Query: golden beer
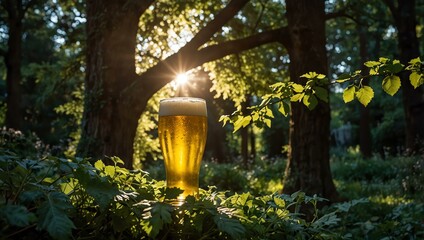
182, 136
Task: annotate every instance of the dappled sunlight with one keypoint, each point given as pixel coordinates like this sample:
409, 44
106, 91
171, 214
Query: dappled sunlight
390, 199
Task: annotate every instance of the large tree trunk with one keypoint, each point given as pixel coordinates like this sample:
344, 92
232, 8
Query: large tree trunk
308, 168
110, 120
13, 65
413, 99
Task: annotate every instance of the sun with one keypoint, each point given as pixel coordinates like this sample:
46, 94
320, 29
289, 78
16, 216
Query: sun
181, 79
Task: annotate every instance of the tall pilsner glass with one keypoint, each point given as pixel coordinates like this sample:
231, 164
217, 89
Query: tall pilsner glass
182, 135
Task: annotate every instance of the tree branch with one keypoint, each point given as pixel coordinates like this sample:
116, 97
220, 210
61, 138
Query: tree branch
164, 72
213, 26
221, 50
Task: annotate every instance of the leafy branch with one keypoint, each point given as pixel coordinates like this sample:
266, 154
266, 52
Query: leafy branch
316, 88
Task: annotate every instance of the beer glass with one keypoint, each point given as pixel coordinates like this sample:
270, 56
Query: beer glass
182, 136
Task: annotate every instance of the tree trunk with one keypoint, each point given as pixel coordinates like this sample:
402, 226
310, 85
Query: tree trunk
13, 65
365, 139
308, 168
413, 99
110, 119
252, 142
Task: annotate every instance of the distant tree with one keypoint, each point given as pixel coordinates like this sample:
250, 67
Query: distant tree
16, 10
404, 15
308, 167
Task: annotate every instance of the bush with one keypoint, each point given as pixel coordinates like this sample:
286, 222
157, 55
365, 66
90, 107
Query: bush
70, 198
22, 144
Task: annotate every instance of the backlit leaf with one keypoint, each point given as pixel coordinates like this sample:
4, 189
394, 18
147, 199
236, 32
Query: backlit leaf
349, 94
284, 108
391, 84
267, 122
372, 64
310, 101
269, 113
364, 95
297, 87
246, 121
224, 119
297, 97
343, 78
416, 79
415, 60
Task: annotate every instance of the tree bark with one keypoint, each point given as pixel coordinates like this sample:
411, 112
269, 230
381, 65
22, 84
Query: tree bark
308, 168
110, 120
115, 96
15, 11
413, 99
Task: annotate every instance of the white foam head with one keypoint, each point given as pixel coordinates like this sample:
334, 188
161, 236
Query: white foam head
186, 106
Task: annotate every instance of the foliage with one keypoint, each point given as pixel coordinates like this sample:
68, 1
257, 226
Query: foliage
391, 209
24, 144
316, 89
70, 198
50, 197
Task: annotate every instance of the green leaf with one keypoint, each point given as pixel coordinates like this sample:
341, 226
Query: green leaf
416, 79
284, 108
163, 211
391, 84
229, 226
309, 75
279, 202
172, 193
297, 88
247, 120
99, 165
349, 94
242, 121
395, 67
267, 122
310, 101
321, 93
160, 215
99, 188
16, 215
371, 64
329, 219
224, 119
364, 95
415, 61
343, 78
255, 116
297, 97
320, 76
269, 113
383, 60
53, 217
